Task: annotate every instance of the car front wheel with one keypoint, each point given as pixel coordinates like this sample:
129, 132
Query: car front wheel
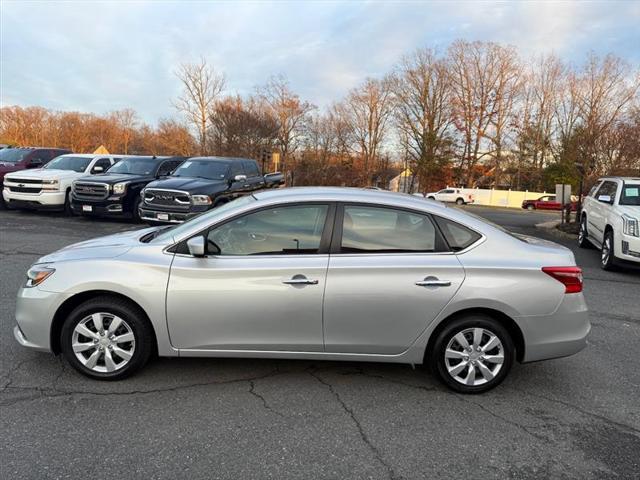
472, 354
607, 256
460, 201
106, 338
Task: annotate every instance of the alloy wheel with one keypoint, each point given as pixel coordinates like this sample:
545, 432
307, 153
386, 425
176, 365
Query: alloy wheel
606, 250
474, 356
582, 233
103, 342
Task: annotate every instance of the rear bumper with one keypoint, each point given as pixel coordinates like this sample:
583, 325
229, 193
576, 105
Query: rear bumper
560, 334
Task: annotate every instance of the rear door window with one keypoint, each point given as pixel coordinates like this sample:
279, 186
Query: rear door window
387, 230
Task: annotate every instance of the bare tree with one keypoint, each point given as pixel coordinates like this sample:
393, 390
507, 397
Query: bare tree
423, 114
201, 87
368, 109
125, 122
290, 112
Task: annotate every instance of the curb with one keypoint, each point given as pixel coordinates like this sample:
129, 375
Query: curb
551, 227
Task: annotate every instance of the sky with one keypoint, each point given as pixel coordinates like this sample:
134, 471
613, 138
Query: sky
99, 56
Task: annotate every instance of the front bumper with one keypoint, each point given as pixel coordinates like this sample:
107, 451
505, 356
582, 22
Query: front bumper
104, 208
159, 216
628, 249
560, 334
35, 309
42, 200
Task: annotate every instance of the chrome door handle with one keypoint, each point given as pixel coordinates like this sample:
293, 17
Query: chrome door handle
433, 282
300, 281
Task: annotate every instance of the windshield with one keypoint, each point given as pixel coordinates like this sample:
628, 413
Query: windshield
136, 166
630, 195
13, 155
203, 168
205, 219
63, 162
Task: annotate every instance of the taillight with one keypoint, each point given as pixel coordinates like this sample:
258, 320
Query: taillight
570, 277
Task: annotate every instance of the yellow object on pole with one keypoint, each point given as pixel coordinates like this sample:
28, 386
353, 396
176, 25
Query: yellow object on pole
275, 156
101, 150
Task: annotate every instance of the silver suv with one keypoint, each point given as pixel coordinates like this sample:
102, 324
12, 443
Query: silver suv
311, 273
609, 220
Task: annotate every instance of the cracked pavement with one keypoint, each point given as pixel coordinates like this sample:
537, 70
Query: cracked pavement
577, 417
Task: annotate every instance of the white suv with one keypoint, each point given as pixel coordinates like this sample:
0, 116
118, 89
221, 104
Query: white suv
610, 218
451, 195
49, 188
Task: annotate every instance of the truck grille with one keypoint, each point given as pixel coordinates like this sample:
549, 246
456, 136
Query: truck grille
90, 191
25, 180
17, 189
167, 198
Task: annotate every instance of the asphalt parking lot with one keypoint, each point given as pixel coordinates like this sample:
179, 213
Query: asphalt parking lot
577, 417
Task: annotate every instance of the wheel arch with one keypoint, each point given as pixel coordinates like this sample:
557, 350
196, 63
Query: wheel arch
72, 302
505, 320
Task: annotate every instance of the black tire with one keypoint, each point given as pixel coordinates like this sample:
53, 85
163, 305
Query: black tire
583, 234
136, 321
135, 213
431, 198
68, 211
608, 256
460, 201
437, 362
531, 206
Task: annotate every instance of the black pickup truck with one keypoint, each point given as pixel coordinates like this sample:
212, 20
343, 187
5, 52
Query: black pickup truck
116, 193
200, 184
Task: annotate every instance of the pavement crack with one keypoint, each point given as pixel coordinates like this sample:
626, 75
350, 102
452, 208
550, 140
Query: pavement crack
54, 391
265, 404
602, 418
363, 435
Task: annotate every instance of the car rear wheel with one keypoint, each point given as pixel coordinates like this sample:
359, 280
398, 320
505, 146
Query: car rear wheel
607, 256
472, 354
583, 234
106, 338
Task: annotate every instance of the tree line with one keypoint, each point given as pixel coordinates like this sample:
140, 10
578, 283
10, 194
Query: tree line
475, 114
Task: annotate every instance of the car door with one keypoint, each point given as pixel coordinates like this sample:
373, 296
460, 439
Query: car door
390, 274
261, 286
597, 216
254, 179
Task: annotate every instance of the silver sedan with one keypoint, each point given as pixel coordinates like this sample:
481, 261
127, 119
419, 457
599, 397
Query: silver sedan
311, 273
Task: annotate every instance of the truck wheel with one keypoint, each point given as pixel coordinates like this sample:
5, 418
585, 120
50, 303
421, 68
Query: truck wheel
135, 214
68, 211
431, 197
460, 201
583, 234
608, 257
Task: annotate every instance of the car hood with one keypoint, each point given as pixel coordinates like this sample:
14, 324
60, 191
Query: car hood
8, 167
112, 178
103, 247
188, 184
45, 174
631, 210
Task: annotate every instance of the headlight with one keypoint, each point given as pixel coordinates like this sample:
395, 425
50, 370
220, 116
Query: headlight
50, 185
119, 188
201, 200
630, 226
38, 274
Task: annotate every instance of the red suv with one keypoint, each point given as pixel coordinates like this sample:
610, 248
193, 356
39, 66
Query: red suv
14, 159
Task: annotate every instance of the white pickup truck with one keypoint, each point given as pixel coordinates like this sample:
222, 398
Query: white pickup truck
456, 195
49, 188
609, 220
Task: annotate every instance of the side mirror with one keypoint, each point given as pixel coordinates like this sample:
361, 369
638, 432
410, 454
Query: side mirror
239, 178
97, 169
604, 198
196, 246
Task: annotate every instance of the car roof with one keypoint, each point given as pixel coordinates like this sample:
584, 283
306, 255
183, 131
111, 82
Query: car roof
86, 155
223, 159
624, 179
346, 194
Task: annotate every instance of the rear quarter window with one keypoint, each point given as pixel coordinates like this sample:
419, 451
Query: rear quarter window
457, 236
